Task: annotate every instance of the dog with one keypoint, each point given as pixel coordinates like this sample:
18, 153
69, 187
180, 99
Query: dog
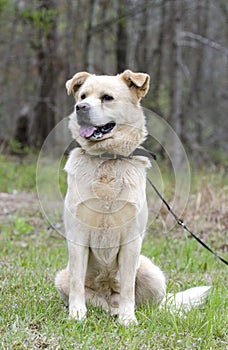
106, 211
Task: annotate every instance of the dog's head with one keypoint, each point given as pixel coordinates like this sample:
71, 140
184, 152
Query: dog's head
108, 116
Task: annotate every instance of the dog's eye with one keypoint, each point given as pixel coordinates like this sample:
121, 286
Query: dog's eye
83, 96
107, 98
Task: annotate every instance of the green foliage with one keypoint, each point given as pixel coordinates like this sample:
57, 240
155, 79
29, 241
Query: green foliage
3, 4
41, 18
21, 226
17, 148
219, 156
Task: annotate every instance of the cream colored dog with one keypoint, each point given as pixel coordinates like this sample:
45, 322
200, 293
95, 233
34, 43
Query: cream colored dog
105, 207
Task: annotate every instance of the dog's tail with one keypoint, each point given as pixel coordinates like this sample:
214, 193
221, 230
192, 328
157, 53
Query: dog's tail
184, 301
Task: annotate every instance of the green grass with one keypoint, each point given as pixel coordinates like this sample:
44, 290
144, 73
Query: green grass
33, 317
17, 174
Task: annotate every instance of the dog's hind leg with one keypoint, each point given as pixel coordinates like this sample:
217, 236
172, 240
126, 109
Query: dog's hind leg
62, 283
150, 286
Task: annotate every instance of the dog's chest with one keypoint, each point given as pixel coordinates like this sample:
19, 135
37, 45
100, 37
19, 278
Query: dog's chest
106, 182
106, 193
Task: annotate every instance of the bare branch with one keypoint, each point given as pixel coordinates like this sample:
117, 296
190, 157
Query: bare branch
203, 40
131, 12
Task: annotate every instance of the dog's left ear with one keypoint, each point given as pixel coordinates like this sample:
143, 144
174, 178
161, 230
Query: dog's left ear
76, 82
137, 81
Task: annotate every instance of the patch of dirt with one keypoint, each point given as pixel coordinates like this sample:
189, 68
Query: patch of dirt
27, 206
18, 202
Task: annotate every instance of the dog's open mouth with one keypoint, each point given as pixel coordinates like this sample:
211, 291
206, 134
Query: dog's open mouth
94, 133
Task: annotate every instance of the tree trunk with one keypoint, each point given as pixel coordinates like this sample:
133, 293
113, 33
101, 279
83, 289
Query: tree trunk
44, 111
175, 83
195, 94
158, 57
121, 38
202, 23
88, 65
70, 14
141, 52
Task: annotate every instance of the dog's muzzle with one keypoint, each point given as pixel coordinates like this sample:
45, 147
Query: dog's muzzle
88, 130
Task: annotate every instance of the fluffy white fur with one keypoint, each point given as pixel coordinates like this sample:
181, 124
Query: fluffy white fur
105, 207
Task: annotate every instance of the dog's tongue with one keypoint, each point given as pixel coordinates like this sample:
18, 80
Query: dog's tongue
86, 130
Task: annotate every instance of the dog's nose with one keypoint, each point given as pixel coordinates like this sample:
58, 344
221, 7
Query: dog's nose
82, 107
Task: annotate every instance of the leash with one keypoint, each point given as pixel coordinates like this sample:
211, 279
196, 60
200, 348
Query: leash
144, 152
181, 223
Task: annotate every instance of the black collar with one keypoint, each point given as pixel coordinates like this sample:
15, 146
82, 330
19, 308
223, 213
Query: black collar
139, 151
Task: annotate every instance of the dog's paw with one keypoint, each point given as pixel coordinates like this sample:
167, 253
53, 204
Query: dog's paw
99, 301
77, 313
114, 304
114, 311
127, 319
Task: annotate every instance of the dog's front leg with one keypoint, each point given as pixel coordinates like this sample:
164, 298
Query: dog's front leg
128, 262
78, 260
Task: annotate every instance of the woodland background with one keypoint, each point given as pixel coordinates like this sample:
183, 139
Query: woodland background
182, 44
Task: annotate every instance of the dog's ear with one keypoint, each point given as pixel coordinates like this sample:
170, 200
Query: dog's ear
137, 81
76, 82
